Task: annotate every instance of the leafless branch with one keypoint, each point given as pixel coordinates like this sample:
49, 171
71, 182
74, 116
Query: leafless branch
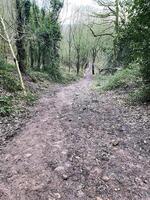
100, 35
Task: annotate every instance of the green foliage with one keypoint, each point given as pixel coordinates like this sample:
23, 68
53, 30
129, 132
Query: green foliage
38, 76
5, 66
5, 105
44, 47
26, 10
8, 79
54, 72
135, 36
2, 64
121, 79
141, 95
30, 98
134, 44
68, 77
9, 82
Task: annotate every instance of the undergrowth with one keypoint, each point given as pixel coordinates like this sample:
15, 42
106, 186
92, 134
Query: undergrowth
37, 76
141, 95
68, 77
12, 96
128, 79
6, 105
124, 78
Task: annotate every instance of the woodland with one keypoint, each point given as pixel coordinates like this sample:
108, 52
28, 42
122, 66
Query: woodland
74, 100
114, 39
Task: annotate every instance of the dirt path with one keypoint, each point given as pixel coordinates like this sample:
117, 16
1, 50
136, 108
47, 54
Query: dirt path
80, 145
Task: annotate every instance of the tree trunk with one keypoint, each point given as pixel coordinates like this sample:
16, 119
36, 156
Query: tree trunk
117, 32
31, 55
93, 68
78, 61
94, 55
70, 48
14, 56
20, 42
39, 66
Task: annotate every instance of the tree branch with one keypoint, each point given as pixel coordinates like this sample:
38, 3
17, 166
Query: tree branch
3, 37
100, 35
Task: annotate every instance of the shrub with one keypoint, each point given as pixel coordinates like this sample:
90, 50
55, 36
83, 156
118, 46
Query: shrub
121, 79
9, 82
30, 98
38, 76
141, 95
5, 105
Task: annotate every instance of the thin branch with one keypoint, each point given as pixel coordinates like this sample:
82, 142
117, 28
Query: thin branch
100, 35
3, 37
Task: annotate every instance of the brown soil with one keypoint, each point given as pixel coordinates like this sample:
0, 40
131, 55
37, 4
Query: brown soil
79, 145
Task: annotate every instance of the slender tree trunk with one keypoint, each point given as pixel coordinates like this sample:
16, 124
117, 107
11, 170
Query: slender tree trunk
31, 55
117, 32
20, 42
78, 62
117, 17
94, 54
39, 66
70, 48
14, 56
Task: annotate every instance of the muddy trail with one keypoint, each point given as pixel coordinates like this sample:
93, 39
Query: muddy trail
79, 145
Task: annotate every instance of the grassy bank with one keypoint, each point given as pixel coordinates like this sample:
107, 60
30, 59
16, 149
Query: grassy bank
129, 80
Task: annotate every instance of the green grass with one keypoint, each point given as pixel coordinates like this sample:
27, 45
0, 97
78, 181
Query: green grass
12, 97
140, 95
8, 78
121, 79
6, 105
37, 76
30, 98
64, 77
129, 79
69, 77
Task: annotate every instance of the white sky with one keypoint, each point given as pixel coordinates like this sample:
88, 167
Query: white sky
73, 3
70, 6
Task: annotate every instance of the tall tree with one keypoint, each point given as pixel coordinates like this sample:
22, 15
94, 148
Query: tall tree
22, 14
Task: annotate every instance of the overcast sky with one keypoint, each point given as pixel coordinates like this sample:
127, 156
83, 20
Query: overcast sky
70, 6
73, 3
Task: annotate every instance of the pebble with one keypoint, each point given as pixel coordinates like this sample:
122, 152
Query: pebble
28, 155
117, 189
57, 195
65, 177
105, 178
145, 181
115, 143
99, 198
